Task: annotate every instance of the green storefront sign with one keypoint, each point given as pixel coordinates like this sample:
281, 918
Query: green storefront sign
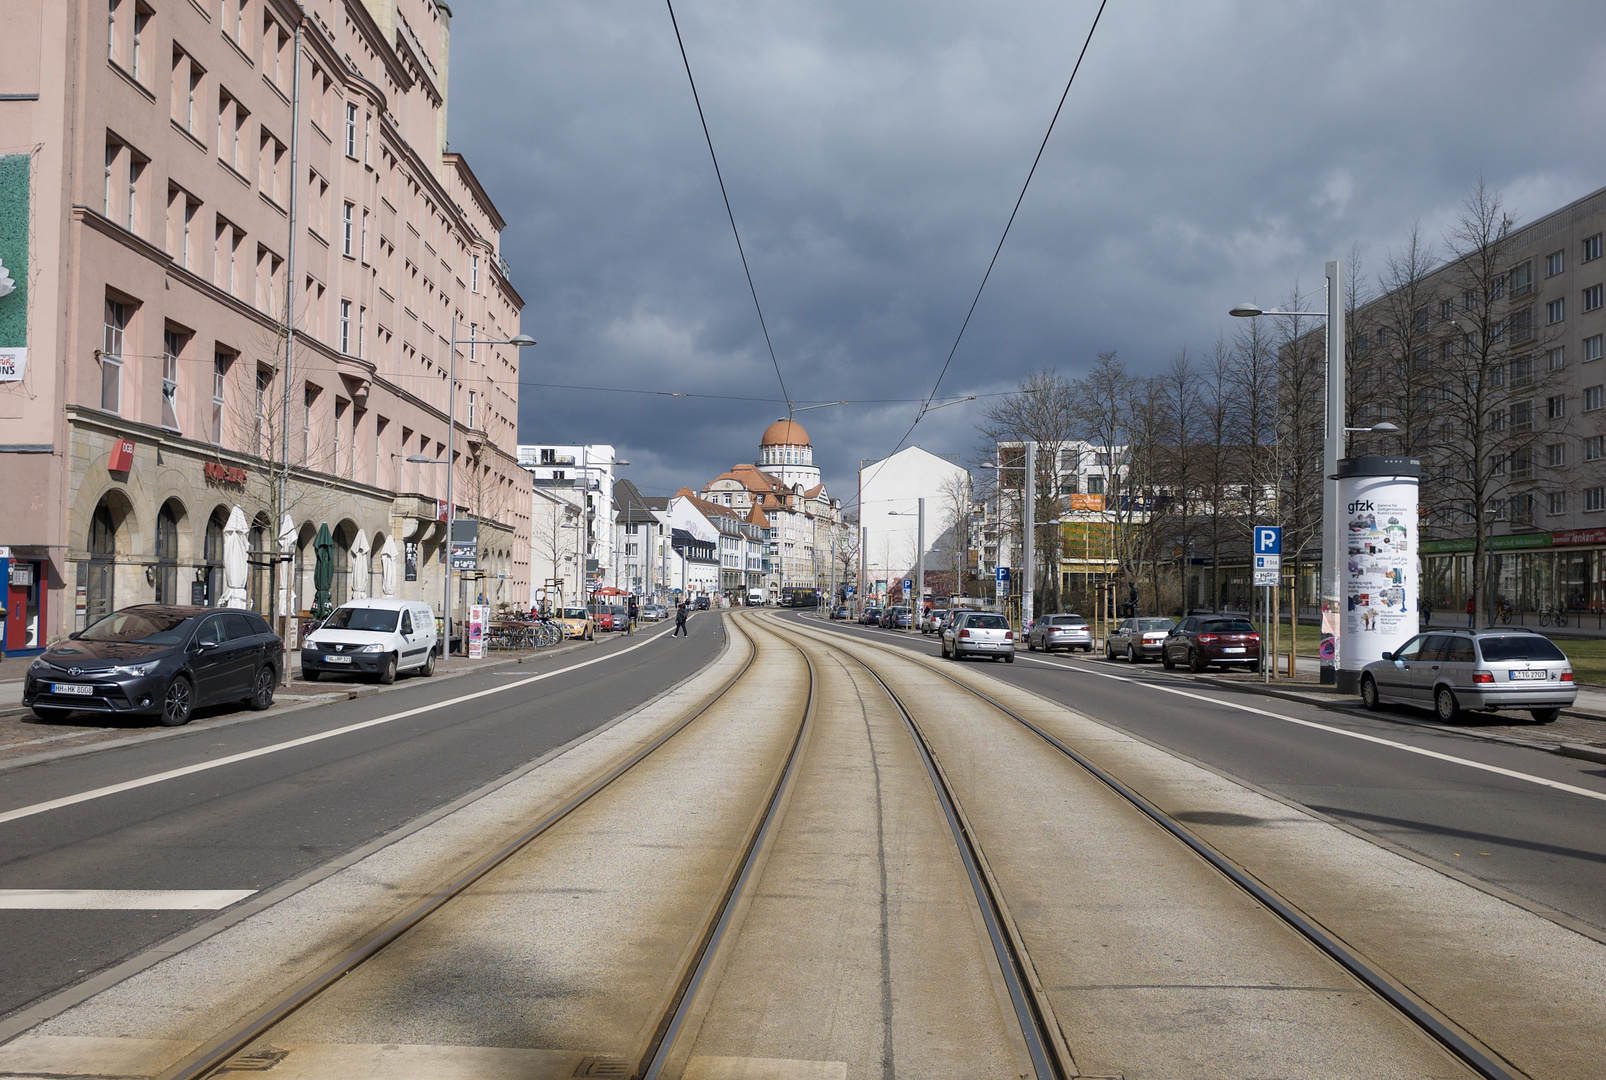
1519, 542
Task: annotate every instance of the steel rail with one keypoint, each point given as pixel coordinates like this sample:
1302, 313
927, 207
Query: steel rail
674, 1026
1307, 928
1011, 953
217, 1052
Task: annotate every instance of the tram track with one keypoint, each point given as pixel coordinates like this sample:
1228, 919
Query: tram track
1417, 1013
231, 1050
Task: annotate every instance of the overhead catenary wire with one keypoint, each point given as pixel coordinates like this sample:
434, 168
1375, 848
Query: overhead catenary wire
926, 406
718, 175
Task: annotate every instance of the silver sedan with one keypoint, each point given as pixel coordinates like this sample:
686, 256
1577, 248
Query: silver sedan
1068, 632
1451, 670
1138, 639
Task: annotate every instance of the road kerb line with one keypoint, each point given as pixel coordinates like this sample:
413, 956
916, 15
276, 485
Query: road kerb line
305, 740
1513, 774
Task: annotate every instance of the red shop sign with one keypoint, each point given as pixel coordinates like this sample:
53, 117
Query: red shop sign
122, 458
226, 474
1569, 537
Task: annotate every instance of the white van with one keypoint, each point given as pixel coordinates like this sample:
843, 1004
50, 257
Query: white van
375, 637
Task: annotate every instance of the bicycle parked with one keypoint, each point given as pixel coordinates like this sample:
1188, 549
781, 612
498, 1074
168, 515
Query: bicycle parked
1556, 616
1502, 612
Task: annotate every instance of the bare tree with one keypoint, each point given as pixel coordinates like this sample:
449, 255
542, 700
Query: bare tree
1398, 373
957, 536
1218, 455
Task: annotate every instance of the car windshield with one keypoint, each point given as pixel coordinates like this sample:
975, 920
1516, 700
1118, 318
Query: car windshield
363, 618
1155, 624
987, 622
152, 627
573, 613
1229, 626
1519, 647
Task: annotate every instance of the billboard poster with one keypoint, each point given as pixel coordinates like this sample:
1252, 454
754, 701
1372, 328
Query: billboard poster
410, 560
476, 631
1380, 561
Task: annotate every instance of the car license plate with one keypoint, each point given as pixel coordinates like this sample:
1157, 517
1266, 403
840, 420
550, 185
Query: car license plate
1233, 648
81, 689
1528, 673
337, 659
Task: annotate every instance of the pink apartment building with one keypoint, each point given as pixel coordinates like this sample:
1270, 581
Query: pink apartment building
149, 179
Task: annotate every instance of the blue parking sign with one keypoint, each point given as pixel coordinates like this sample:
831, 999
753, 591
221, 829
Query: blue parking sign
1001, 574
1268, 539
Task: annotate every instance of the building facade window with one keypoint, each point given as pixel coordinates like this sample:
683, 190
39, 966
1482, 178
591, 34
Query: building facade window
1522, 278
172, 343
1556, 455
345, 326
1555, 263
1555, 311
1592, 347
1594, 448
1555, 407
347, 212
1557, 358
1594, 500
167, 556
220, 384
351, 130
1594, 398
1593, 297
1592, 248
111, 357
1557, 503
474, 273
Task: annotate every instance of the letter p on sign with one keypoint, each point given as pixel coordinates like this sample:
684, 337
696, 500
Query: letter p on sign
1268, 540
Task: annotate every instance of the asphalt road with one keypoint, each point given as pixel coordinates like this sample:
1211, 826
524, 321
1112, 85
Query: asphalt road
262, 821
1545, 846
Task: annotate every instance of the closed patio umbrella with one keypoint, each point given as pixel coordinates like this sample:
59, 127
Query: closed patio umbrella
323, 573
387, 567
287, 547
360, 549
234, 561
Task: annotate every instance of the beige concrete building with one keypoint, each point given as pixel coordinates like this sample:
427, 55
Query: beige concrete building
169, 209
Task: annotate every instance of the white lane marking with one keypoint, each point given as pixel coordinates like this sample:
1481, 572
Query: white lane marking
121, 899
190, 770
1571, 789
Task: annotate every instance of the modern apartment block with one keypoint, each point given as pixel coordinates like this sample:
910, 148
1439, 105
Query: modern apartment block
179, 172
1548, 492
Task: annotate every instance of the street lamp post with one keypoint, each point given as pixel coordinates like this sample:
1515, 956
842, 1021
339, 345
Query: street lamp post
521, 340
1332, 446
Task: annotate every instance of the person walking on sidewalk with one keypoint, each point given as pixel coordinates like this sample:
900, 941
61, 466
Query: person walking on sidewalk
680, 620
1471, 607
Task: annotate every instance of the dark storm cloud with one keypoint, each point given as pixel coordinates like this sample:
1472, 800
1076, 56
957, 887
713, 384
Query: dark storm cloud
1208, 153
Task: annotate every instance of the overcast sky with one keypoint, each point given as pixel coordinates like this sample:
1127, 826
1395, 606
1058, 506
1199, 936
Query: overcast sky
1209, 152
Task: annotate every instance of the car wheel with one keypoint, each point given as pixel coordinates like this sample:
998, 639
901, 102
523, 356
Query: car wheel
50, 714
262, 697
1131, 655
1166, 661
1109, 653
1197, 663
1010, 659
429, 665
1445, 706
1541, 716
309, 676
954, 656
177, 702
387, 674
1369, 693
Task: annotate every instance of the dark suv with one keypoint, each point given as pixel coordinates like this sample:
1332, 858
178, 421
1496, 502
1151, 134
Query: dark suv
157, 660
1201, 640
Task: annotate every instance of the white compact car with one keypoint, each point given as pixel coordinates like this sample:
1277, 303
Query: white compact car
373, 637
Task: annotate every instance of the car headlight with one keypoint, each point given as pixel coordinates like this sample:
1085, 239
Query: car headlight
136, 669
375, 647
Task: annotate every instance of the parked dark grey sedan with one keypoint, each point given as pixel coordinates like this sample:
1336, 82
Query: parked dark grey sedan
1138, 639
157, 660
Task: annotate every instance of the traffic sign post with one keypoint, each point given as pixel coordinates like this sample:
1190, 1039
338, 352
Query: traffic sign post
1001, 581
1267, 570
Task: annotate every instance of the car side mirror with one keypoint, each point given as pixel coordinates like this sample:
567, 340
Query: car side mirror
204, 645
75, 635
1387, 656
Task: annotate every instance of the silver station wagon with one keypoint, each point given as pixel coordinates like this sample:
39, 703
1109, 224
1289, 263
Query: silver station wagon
1449, 671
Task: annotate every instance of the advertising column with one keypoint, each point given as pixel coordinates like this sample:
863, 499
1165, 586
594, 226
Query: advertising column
1377, 505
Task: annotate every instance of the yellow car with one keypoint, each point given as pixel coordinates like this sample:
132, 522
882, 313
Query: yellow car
577, 623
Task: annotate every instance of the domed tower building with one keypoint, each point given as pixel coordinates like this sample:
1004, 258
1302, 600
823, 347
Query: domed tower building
783, 490
786, 454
